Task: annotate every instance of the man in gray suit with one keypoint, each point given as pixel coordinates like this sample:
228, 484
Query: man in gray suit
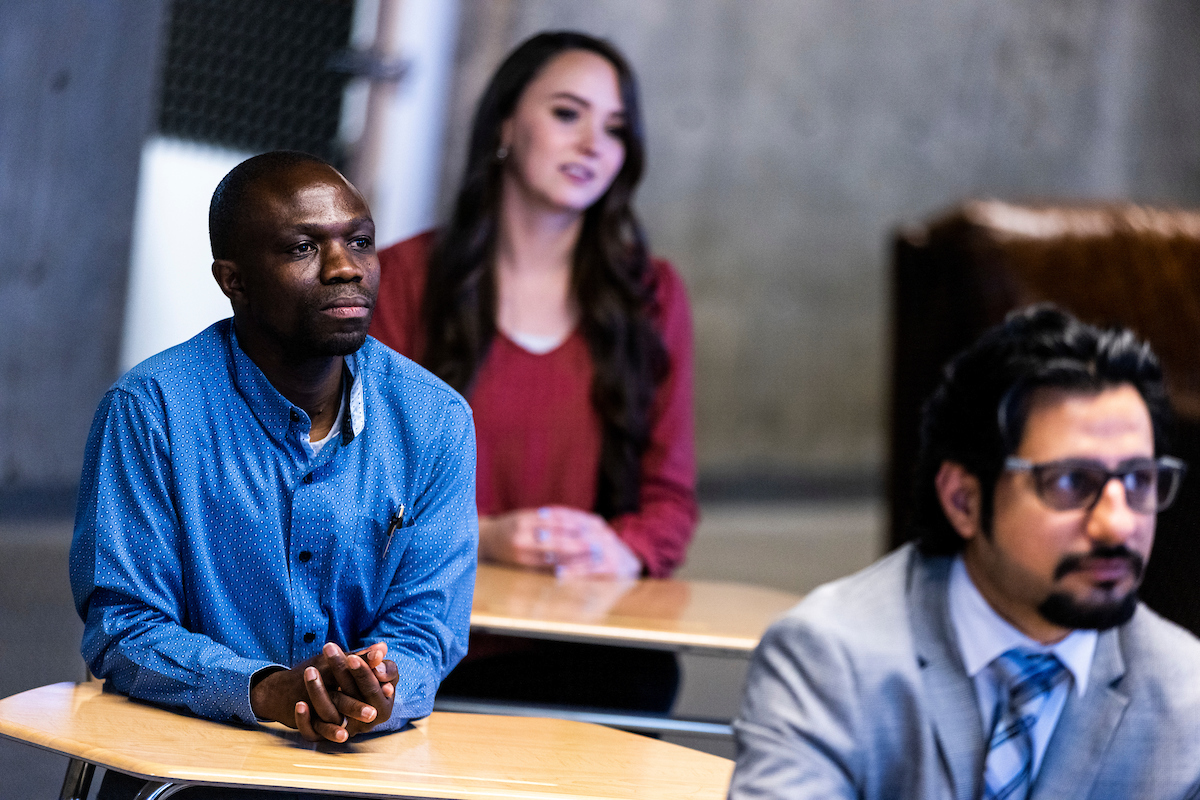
1006, 654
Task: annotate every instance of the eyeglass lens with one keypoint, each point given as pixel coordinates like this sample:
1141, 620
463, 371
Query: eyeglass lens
1149, 487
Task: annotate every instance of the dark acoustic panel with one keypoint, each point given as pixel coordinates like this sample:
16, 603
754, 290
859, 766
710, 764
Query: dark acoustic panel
254, 74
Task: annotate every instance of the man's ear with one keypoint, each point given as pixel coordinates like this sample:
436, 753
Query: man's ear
961, 498
229, 278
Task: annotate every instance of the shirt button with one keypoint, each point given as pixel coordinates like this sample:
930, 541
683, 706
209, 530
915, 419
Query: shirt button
308, 478
309, 637
305, 555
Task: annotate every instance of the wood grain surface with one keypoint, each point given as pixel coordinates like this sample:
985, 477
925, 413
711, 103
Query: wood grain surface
453, 756
654, 613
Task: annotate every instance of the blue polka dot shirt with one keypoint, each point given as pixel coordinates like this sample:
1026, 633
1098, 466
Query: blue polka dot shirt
210, 542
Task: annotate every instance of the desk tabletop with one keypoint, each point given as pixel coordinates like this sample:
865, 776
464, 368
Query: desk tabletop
724, 618
451, 756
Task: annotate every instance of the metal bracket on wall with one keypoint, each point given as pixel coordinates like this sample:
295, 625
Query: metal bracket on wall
370, 65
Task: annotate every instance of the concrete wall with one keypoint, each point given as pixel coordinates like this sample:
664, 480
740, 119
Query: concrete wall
1164, 152
787, 138
76, 88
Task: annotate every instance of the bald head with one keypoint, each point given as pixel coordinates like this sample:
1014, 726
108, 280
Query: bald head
232, 200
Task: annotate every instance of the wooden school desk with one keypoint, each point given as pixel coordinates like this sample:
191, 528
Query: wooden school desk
684, 616
708, 618
450, 756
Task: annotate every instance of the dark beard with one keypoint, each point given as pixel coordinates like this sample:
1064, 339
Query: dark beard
312, 342
340, 344
1063, 610
321, 337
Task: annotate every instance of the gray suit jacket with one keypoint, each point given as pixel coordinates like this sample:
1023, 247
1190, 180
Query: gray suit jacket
860, 692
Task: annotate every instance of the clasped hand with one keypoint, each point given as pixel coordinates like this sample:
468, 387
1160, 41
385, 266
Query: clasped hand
566, 540
333, 695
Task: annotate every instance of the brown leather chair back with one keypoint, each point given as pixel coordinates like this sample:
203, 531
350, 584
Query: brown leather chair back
1107, 264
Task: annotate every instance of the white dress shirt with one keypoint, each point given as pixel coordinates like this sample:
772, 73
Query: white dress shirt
983, 635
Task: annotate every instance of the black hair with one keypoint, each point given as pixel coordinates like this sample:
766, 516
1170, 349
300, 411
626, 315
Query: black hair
611, 278
976, 416
227, 207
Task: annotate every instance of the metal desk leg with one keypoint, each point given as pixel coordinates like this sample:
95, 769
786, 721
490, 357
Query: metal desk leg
153, 790
77, 781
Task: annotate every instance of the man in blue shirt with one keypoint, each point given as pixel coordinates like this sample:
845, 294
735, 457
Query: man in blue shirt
277, 518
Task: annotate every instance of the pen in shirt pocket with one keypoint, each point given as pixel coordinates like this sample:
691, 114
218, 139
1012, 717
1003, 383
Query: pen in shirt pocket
394, 523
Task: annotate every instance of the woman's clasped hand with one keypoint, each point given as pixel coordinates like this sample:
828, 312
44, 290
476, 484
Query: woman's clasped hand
571, 542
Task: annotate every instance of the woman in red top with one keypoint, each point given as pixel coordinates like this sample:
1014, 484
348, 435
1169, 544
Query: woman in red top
539, 302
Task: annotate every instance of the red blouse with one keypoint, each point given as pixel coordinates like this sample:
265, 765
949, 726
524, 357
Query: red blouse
538, 434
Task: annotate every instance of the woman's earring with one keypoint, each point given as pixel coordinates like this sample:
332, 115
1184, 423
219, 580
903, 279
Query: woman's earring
502, 153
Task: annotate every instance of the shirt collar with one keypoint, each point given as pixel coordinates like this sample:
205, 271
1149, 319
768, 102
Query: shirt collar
275, 411
983, 634
355, 405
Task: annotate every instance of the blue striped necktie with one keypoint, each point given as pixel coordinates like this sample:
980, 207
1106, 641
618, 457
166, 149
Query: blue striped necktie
1026, 680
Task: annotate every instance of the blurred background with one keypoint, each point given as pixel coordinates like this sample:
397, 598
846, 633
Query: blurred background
787, 141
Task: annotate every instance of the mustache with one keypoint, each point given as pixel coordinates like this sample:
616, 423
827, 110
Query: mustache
357, 294
1075, 563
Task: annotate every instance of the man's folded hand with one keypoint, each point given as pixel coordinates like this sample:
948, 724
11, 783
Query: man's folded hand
331, 696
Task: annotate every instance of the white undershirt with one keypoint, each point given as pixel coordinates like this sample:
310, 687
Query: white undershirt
333, 431
983, 635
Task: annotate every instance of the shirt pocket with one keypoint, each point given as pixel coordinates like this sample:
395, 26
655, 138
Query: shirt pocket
370, 547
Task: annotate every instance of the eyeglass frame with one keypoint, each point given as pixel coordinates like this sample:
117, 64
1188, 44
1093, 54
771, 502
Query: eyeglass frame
1169, 464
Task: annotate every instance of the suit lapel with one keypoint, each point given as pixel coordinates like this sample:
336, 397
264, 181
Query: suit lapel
1085, 730
949, 692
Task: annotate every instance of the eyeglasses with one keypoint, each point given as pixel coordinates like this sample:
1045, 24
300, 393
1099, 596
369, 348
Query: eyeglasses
1075, 483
